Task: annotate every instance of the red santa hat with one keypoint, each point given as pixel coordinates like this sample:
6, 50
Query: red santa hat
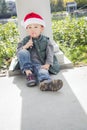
32, 18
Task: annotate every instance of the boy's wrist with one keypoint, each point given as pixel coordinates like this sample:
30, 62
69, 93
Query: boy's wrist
24, 47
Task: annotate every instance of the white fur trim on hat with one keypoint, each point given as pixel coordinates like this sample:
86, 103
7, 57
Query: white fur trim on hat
32, 21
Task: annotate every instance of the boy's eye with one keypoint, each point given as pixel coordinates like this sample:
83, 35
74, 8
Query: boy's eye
29, 27
35, 26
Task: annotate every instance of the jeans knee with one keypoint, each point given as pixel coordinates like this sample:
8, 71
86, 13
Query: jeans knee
23, 52
43, 71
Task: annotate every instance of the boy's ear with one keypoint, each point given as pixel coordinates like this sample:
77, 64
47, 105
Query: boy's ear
27, 27
42, 28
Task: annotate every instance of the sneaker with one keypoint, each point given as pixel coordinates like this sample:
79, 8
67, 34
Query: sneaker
54, 85
31, 81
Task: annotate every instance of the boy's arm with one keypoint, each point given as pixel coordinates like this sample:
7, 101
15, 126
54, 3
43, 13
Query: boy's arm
49, 56
49, 53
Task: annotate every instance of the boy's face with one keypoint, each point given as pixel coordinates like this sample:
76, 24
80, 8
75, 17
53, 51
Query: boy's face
34, 30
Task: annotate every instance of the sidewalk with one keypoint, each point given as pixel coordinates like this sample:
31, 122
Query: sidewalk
23, 108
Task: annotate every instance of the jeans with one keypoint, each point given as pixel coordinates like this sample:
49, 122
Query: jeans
27, 64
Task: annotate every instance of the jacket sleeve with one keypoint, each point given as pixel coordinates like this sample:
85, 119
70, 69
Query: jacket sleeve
49, 53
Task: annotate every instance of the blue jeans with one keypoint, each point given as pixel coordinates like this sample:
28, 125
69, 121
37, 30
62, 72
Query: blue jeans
27, 64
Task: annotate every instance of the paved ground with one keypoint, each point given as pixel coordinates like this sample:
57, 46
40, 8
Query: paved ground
23, 108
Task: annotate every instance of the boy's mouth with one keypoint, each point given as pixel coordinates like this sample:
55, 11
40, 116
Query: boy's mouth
34, 35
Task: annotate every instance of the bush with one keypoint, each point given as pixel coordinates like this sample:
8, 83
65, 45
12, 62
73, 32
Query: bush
9, 37
71, 36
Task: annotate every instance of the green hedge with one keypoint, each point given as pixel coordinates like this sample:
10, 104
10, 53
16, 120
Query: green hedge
9, 37
71, 36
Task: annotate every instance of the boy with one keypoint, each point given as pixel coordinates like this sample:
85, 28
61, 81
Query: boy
36, 57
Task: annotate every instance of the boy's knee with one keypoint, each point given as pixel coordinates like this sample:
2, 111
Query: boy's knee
23, 51
43, 71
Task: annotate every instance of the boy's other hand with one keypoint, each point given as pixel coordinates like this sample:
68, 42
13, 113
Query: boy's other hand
46, 66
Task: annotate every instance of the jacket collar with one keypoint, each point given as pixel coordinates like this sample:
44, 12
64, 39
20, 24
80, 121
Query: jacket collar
37, 39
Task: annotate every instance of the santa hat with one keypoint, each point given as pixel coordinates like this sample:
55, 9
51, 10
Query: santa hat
32, 18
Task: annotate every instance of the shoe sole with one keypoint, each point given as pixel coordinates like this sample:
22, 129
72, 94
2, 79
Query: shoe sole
31, 83
54, 85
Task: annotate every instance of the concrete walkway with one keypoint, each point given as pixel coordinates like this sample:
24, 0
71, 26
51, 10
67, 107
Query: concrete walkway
23, 108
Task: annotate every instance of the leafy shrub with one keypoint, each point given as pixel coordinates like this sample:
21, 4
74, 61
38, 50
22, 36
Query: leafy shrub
71, 36
9, 37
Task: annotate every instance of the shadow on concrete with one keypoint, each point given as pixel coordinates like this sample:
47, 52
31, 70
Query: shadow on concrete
50, 110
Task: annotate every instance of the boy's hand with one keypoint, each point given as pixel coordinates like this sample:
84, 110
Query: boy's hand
46, 66
28, 44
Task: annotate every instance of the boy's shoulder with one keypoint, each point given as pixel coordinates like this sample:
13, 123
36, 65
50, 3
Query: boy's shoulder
45, 37
25, 39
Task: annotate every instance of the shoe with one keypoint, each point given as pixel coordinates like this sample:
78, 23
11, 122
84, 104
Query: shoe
54, 85
31, 81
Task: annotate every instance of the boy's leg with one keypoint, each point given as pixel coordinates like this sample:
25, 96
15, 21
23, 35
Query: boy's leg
42, 74
26, 66
24, 60
46, 83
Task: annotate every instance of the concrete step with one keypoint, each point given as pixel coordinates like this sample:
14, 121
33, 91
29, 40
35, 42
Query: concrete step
63, 60
60, 57
67, 64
